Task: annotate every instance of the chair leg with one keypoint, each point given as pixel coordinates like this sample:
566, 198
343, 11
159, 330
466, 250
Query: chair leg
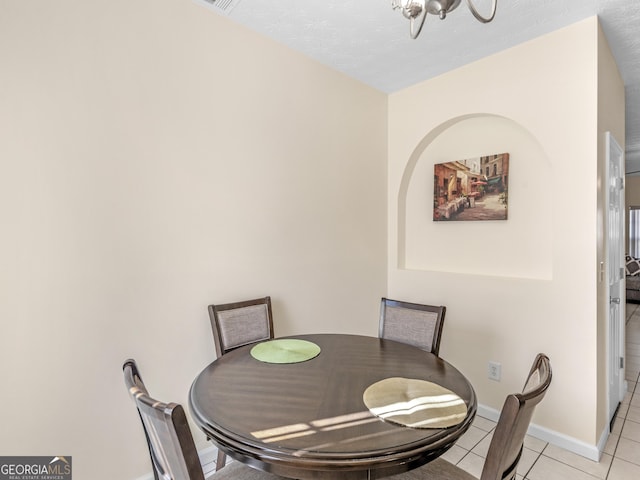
221, 460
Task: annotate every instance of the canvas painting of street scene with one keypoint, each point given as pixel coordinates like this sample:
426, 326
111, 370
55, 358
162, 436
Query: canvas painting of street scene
471, 189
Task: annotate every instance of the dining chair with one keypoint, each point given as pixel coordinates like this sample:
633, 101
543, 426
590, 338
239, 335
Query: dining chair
237, 324
412, 323
241, 323
506, 445
171, 446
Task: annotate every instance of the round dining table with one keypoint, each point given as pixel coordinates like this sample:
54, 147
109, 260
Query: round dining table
308, 419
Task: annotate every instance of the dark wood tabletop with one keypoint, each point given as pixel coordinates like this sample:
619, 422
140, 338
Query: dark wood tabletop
308, 420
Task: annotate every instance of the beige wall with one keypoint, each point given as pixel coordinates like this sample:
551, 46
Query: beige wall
539, 102
156, 158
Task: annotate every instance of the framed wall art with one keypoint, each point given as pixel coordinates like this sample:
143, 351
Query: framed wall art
472, 189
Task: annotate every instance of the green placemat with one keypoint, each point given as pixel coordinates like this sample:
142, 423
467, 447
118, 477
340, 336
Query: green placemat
285, 350
414, 403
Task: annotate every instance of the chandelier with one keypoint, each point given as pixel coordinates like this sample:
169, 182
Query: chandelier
417, 10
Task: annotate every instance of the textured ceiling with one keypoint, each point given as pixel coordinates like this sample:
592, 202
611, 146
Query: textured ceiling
367, 40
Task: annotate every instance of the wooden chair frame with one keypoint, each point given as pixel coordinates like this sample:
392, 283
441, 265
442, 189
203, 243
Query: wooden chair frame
440, 311
508, 438
168, 421
216, 327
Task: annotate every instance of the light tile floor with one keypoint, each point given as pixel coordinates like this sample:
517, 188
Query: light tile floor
543, 461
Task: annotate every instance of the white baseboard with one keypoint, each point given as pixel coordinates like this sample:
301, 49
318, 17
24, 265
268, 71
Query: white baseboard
592, 452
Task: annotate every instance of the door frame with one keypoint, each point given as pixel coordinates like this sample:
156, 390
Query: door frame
615, 346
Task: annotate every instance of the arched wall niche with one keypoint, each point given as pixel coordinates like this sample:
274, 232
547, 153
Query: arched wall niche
519, 247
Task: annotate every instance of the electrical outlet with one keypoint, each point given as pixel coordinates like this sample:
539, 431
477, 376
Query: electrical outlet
495, 371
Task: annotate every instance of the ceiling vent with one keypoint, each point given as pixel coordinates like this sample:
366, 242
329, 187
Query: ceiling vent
221, 6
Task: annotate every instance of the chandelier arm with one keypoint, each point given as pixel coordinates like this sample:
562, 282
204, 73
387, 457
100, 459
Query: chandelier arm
477, 14
414, 35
